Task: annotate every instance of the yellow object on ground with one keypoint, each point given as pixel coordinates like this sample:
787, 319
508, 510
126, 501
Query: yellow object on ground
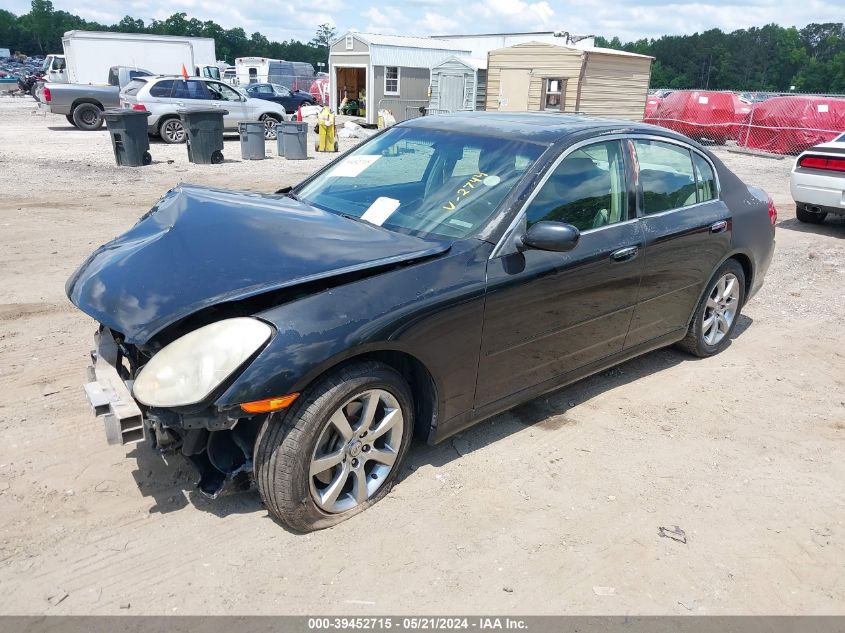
326, 138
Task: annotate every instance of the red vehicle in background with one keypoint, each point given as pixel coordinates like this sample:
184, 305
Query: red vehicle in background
792, 124
701, 114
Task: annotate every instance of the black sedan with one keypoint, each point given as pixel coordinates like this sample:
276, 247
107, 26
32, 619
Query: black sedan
444, 271
289, 99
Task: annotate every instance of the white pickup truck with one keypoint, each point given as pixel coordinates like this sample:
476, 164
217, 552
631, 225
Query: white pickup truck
83, 104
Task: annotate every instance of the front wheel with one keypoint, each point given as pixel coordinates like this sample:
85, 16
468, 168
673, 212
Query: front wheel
338, 450
717, 312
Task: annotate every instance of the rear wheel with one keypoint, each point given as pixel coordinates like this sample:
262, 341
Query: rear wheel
70, 120
88, 117
146, 159
216, 157
717, 313
271, 124
338, 450
172, 131
812, 217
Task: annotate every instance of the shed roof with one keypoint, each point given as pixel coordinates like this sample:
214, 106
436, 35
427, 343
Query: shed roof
568, 47
475, 63
400, 50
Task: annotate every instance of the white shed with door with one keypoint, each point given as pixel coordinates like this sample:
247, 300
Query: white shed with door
458, 83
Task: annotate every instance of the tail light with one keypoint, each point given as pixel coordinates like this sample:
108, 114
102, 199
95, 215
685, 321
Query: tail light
833, 163
47, 96
773, 212
139, 106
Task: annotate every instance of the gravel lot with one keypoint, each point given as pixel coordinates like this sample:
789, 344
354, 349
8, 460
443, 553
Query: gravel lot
551, 508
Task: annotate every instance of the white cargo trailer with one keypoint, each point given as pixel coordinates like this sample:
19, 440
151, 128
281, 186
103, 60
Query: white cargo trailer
90, 54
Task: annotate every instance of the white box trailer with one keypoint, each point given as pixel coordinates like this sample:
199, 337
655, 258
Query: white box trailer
90, 54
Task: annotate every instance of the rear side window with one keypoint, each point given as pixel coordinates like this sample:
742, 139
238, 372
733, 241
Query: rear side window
191, 89
134, 86
706, 181
162, 88
587, 189
666, 176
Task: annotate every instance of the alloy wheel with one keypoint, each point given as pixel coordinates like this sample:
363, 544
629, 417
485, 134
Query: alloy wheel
174, 131
270, 128
721, 309
356, 451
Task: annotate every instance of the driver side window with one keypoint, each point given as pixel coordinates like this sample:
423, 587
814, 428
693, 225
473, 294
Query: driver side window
587, 189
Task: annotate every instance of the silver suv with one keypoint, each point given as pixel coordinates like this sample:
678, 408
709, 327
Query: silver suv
164, 96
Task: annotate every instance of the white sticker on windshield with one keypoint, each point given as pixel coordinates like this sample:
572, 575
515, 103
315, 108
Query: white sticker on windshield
491, 181
703, 100
353, 166
380, 210
823, 107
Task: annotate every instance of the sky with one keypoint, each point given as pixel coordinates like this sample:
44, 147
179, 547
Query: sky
627, 19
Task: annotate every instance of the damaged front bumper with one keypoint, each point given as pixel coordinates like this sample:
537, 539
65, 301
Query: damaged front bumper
110, 396
217, 446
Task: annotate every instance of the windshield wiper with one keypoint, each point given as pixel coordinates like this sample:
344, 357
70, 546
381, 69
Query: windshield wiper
286, 191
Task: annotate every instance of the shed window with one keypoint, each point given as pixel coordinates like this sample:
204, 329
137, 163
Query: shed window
349, 43
391, 80
554, 92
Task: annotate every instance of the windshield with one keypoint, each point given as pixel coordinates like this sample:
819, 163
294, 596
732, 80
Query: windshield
423, 182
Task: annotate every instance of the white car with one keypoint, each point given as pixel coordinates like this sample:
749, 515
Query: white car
817, 181
164, 96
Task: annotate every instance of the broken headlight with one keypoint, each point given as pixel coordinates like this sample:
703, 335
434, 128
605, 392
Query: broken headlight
187, 370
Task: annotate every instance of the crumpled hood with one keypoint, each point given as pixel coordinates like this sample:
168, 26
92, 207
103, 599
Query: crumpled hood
198, 247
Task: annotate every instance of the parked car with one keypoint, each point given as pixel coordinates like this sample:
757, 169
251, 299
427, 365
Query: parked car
291, 100
817, 181
164, 96
83, 104
443, 271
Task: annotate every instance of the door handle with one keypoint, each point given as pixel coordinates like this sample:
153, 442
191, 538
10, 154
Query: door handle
719, 227
625, 254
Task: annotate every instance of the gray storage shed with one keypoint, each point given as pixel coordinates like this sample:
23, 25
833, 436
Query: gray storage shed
458, 83
390, 72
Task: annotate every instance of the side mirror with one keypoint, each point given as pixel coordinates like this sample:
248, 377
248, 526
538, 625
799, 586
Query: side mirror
550, 236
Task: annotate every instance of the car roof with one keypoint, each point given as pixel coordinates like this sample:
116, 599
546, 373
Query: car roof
542, 127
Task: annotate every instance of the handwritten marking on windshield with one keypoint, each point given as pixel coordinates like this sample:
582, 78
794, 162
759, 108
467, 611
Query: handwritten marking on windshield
465, 190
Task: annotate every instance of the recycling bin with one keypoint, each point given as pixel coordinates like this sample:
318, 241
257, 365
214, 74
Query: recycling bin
129, 138
296, 139
204, 132
252, 140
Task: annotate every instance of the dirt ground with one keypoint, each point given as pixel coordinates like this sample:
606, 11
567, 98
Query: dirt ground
552, 508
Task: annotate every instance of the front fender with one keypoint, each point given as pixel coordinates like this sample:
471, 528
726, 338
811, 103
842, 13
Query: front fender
432, 311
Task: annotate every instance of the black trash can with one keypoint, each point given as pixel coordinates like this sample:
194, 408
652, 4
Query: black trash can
252, 140
296, 139
204, 130
129, 138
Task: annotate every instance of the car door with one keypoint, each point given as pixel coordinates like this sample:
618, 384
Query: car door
190, 93
687, 229
548, 314
228, 99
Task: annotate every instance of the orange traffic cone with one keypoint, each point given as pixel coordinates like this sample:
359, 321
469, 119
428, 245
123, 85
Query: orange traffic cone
299, 113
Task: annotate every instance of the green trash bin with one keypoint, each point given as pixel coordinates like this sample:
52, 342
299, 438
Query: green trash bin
252, 140
129, 138
204, 130
296, 139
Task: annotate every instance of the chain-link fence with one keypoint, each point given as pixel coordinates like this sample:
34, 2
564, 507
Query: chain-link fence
776, 123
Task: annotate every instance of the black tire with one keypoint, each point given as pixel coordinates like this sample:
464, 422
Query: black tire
694, 342
808, 216
88, 117
33, 92
287, 441
70, 120
172, 131
146, 159
216, 157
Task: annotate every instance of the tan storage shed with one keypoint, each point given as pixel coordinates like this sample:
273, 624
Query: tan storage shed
538, 76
